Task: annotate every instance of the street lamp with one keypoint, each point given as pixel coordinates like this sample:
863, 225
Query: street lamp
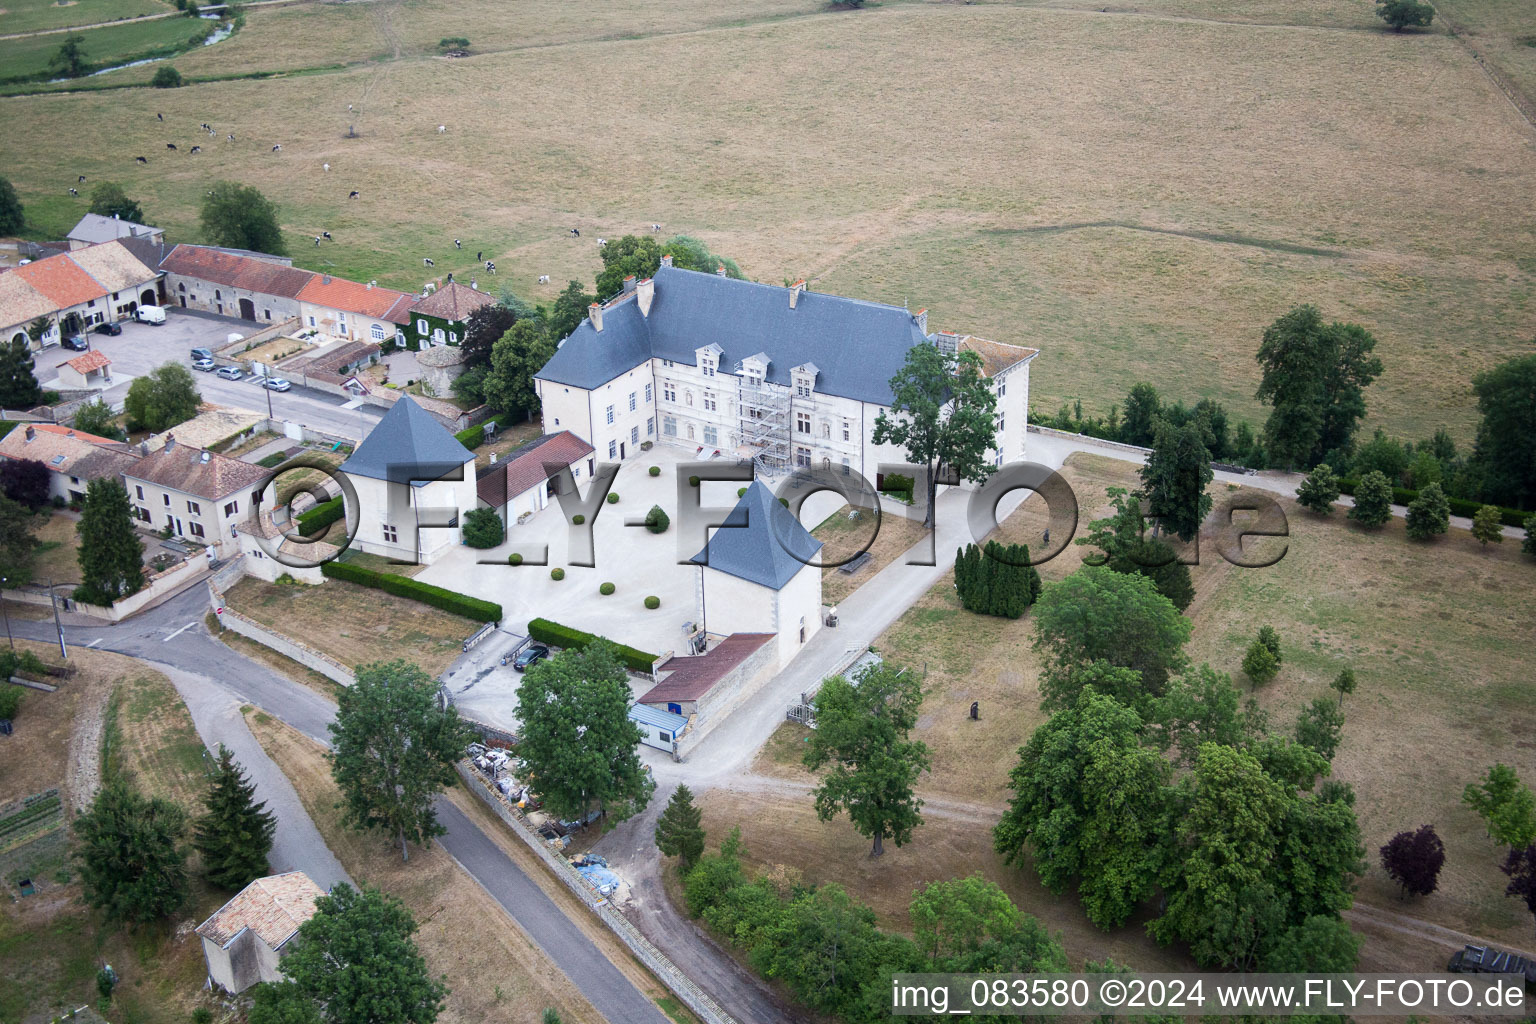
7, 613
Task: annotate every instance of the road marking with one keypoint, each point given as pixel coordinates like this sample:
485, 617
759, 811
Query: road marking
178, 633
93, 643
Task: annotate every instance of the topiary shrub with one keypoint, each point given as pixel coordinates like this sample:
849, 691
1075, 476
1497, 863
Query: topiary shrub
656, 520
606, 589
653, 602
483, 529
693, 481
741, 492
557, 574
784, 502
655, 471
514, 559
578, 519
613, 498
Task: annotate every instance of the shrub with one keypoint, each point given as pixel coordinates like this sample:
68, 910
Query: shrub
1485, 526
514, 559
556, 635
741, 492
1529, 544
693, 481
613, 497
319, 519
166, 77
272, 461
557, 574
1259, 663
1429, 514
1373, 500
606, 589
653, 602
202, 1015
404, 586
1270, 638
784, 502
578, 519
1319, 490
483, 529
10, 702
898, 486
655, 471
656, 520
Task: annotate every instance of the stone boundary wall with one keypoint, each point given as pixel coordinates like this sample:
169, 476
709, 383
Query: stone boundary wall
160, 585
285, 645
1035, 428
733, 688
680, 985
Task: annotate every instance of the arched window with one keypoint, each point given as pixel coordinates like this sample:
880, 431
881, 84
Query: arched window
216, 296
377, 332
19, 337
181, 287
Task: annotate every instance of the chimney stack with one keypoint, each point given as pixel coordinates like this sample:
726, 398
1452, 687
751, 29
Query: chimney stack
666, 260
629, 284
474, 284
325, 278
170, 441
646, 295
493, 458
143, 447
595, 314
31, 433
204, 458
794, 292
720, 270
921, 317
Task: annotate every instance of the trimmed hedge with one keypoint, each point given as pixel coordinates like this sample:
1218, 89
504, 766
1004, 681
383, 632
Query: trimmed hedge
613, 497
404, 586
547, 632
578, 519
514, 559
655, 470
1459, 506
653, 603
319, 519
693, 481
473, 437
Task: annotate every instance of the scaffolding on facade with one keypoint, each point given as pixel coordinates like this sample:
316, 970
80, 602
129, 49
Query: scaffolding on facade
762, 423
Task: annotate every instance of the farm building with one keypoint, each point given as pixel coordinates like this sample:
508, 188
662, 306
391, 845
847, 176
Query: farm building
520, 484
243, 941
75, 290
93, 228
233, 282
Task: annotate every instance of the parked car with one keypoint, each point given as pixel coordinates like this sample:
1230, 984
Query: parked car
276, 384
76, 342
528, 656
201, 353
1487, 960
230, 372
108, 327
205, 365
150, 315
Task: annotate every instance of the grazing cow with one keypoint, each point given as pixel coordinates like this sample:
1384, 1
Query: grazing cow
170, 145
197, 149
74, 191
277, 147
427, 262
441, 128
204, 126
543, 279
82, 179
480, 256
317, 241
327, 236
349, 108
352, 194
140, 160
231, 138
575, 232
491, 267
655, 227
325, 167
602, 242
458, 244
160, 117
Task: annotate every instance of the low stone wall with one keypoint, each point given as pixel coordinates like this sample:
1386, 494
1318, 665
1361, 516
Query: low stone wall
678, 983
285, 645
160, 585
1035, 428
734, 687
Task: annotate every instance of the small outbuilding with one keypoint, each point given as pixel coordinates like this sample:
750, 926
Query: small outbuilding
245, 938
88, 371
520, 484
659, 729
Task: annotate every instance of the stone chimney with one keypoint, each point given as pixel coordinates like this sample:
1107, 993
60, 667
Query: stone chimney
629, 284
143, 447
921, 319
794, 292
595, 314
948, 342
204, 457
666, 260
720, 270
645, 295
325, 278
31, 434
170, 441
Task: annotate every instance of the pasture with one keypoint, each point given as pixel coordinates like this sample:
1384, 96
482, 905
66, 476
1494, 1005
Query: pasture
135, 40
1136, 192
40, 15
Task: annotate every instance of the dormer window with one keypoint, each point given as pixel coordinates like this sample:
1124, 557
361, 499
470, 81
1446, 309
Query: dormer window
708, 366
805, 379
709, 359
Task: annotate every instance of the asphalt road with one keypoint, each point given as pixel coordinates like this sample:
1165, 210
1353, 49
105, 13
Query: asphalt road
212, 676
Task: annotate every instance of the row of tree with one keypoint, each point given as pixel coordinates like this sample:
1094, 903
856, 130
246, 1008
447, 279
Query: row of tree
996, 580
1428, 515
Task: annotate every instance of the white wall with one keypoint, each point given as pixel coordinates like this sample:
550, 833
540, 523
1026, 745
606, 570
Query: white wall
376, 513
734, 605
210, 516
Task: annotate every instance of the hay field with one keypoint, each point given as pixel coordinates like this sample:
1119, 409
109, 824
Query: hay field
1136, 193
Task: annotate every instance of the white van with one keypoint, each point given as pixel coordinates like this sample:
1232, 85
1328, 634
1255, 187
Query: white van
150, 315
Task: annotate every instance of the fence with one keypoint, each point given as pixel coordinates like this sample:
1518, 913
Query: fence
285, 645
683, 987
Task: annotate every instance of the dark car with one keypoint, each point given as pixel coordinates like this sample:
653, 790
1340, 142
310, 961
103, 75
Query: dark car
1487, 960
107, 327
528, 656
76, 342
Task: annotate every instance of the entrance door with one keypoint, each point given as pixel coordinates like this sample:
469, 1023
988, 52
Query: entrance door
183, 302
147, 298
591, 467
621, 450
247, 309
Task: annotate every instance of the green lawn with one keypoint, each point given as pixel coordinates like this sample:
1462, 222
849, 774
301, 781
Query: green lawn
30, 55
33, 15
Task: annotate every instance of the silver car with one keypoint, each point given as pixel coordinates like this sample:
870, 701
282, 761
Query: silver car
276, 384
205, 365
230, 372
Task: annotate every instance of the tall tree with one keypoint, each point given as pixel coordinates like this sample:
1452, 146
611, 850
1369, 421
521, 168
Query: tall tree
69, 60
109, 200
577, 739
18, 547
1520, 866
162, 398
568, 310
1413, 860
1350, 369
235, 835
1320, 726
482, 330
1319, 490
862, 732
1373, 500
394, 748
1401, 14
130, 854
958, 915
1143, 410
357, 961
1087, 807
1202, 706
96, 417
1343, 684
945, 416
12, 216
1429, 514
241, 217
1506, 804
1099, 614
1505, 450
1175, 477
1322, 944
1488, 525
111, 554
281, 1002
1314, 376
679, 830
18, 384
515, 358
635, 256
26, 481
1127, 548
690, 253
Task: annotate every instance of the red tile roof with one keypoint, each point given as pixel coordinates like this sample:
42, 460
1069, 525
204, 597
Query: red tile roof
215, 267
61, 281
351, 297
693, 677
92, 360
400, 312
524, 468
273, 907
453, 302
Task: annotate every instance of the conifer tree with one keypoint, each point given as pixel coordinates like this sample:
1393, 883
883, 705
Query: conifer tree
112, 559
235, 835
679, 830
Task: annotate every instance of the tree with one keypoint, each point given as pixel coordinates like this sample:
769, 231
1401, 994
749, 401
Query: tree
166, 77
996, 580
945, 416
1505, 449
690, 253
1520, 866
656, 520
1314, 377
162, 398
394, 748
1383, 453
112, 557
109, 200
240, 217
235, 835
26, 482
1175, 477
1259, 663
18, 547
69, 60
1270, 638
1413, 860
1143, 410
958, 915
12, 215
1099, 614
1344, 684
1122, 538
1488, 525
862, 730
1087, 807
356, 960
281, 1002
1322, 944
822, 946
96, 417
483, 528
577, 739
1507, 806
1320, 727
1202, 706
1319, 490
1528, 546
1373, 500
515, 358
569, 310
1401, 14
635, 256
130, 855
1429, 515
679, 830
484, 327
18, 384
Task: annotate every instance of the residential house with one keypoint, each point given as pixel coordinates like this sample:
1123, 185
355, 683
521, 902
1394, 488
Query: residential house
232, 282
414, 482
20, 306
439, 318
520, 484
200, 495
94, 228
87, 371
784, 376
73, 457
115, 267
359, 312
75, 290
244, 940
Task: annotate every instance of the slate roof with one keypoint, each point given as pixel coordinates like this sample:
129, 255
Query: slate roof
760, 541
20, 303
217, 266
61, 281
93, 227
407, 444
148, 251
273, 907
693, 677
858, 345
113, 265
181, 467
524, 468
453, 302
350, 297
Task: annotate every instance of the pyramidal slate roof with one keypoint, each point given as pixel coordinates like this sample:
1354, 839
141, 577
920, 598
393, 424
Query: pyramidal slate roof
407, 445
857, 346
760, 541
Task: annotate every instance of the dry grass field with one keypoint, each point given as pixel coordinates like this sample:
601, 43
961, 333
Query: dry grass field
1138, 192
842, 538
